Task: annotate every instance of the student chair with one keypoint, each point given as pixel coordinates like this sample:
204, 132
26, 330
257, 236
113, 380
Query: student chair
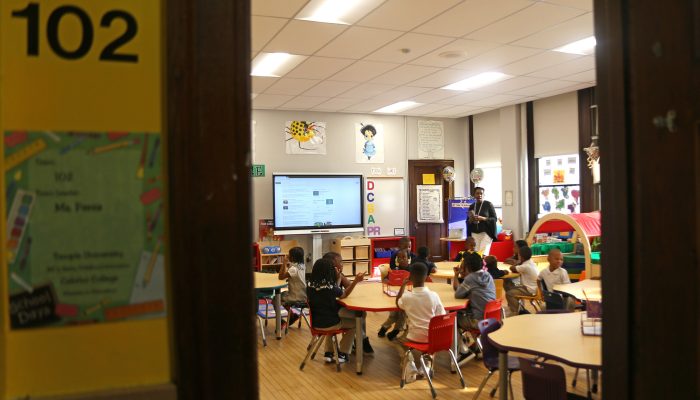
298, 307
492, 310
533, 299
317, 339
490, 353
262, 330
542, 381
440, 332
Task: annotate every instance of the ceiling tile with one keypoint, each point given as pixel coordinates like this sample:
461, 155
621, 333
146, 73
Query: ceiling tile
465, 98
580, 4
336, 104
570, 31
470, 16
496, 101
585, 76
404, 15
442, 78
303, 37
263, 29
401, 93
427, 109
496, 58
368, 106
270, 100
330, 88
363, 71
544, 87
530, 20
367, 90
567, 68
454, 52
318, 67
260, 83
567, 89
276, 8
511, 84
357, 42
457, 111
303, 102
404, 74
291, 86
537, 62
418, 45
435, 96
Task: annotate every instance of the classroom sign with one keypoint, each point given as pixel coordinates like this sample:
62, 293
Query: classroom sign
84, 227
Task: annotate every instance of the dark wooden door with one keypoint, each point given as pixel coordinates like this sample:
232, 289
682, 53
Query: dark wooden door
648, 63
428, 234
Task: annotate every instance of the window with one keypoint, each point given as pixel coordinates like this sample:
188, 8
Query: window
559, 189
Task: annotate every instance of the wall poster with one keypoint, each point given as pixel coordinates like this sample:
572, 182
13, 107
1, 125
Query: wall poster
431, 140
305, 137
84, 227
369, 143
429, 204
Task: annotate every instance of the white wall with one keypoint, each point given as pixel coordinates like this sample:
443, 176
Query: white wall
556, 125
400, 144
487, 139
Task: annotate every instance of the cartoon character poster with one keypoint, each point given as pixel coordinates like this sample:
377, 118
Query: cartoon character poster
305, 137
369, 143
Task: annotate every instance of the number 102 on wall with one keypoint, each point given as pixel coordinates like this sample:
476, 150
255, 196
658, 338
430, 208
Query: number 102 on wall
70, 49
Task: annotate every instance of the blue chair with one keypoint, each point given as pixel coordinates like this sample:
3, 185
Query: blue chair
490, 354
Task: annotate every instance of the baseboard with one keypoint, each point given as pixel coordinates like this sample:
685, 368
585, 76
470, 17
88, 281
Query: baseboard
157, 392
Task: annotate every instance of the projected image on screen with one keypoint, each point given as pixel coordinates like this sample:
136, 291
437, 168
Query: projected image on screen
317, 201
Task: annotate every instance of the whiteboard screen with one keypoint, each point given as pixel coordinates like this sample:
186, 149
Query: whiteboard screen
384, 206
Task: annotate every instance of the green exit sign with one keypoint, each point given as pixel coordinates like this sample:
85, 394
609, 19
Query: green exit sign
258, 170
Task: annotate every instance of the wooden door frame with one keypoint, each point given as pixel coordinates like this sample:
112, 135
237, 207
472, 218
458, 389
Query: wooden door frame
208, 117
412, 206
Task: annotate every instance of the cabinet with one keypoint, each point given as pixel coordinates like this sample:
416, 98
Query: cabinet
387, 244
273, 261
355, 253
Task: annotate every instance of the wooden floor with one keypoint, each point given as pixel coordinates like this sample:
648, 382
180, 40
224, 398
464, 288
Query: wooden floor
280, 377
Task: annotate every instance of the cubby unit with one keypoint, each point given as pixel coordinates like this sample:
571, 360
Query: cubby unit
274, 260
355, 253
387, 243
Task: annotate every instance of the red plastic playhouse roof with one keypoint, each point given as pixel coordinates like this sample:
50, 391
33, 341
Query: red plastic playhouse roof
589, 223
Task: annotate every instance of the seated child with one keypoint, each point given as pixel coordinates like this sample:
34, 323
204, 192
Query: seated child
514, 260
528, 280
423, 256
404, 244
295, 274
395, 318
420, 305
322, 291
478, 287
343, 282
469, 247
492, 267
555, 275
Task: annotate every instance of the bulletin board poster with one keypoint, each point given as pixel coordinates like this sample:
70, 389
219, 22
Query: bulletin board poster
84, 227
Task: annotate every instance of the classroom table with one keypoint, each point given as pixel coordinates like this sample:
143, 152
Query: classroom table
554, 336
590, 286
369, 296
265, 281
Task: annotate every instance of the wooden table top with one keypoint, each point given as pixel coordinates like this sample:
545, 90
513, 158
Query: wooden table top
369, 296
446, 270
268, 281
591, 286
556, 336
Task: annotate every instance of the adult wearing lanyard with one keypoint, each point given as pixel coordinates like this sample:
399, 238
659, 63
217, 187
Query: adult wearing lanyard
482, 222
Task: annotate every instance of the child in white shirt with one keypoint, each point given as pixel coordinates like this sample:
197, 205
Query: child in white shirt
528, 280
295, 275
555, 275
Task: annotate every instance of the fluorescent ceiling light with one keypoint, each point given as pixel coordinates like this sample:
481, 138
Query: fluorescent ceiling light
477, 81
582, 47
275, 64
345, 12
398, 107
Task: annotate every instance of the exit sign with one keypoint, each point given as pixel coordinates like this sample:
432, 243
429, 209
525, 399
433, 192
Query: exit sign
258, 170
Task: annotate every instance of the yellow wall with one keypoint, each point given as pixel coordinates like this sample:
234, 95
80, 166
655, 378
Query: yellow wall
50, 93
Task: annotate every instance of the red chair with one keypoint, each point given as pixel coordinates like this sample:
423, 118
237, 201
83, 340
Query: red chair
317, 339
494, 310
440, 332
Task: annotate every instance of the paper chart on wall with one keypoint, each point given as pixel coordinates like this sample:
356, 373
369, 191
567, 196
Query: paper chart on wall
429, 204
431, 140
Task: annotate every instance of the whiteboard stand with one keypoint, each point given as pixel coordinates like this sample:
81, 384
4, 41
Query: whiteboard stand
316, 247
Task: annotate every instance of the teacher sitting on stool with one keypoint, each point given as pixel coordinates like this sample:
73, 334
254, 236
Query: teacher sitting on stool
482, 222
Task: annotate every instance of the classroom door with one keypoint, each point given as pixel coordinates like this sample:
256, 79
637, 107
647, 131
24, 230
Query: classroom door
428, 234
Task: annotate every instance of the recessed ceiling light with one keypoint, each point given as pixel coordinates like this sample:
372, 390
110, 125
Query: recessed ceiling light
398, 107
275, 64
345, 12
452, 54
583, 47
477, 81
